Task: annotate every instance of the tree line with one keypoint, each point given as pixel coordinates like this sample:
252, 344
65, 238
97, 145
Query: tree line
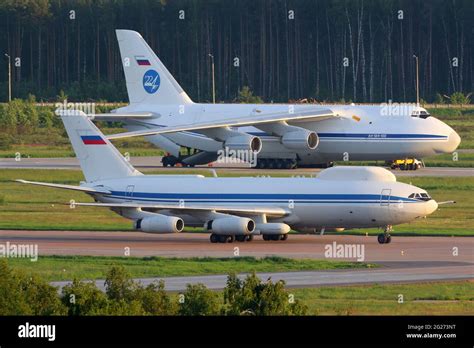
329, 50
25, 295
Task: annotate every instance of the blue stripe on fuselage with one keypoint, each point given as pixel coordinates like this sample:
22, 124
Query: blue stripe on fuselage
271, 197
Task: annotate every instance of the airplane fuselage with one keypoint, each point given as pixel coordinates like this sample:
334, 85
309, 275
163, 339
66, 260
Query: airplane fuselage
312, 202
356, 133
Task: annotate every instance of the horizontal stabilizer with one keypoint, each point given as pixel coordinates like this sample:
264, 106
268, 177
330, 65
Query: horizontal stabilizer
66, 187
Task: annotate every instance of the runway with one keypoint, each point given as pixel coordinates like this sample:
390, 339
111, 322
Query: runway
406, 259
154, 164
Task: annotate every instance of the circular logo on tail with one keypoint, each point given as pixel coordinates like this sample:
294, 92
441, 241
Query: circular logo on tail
151, 81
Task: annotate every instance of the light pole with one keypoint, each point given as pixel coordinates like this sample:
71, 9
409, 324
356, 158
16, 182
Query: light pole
417, 83
213, 80
9, 78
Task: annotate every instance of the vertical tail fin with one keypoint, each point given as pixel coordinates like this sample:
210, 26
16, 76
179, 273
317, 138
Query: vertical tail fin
148, 81
98, 158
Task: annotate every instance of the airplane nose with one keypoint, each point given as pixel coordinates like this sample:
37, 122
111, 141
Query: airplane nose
430, 207
453, 141
450, 145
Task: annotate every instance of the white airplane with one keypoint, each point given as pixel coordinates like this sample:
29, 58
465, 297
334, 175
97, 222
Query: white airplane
239, 208
286, 135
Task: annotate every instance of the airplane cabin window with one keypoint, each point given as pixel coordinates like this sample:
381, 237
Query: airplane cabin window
411, 196
421, 114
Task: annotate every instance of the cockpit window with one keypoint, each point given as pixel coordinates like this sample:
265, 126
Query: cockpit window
420, 113
420, 196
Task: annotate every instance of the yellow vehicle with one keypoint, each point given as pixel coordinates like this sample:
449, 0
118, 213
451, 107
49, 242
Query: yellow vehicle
407, 164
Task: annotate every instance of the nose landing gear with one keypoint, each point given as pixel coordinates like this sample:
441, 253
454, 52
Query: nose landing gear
385, 238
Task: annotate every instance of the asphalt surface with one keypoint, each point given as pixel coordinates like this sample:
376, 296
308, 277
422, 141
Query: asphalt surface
154, 163
405, 259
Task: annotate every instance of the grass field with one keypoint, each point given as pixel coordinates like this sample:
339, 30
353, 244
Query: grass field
55, 268
38, 208
440, 298
42, 149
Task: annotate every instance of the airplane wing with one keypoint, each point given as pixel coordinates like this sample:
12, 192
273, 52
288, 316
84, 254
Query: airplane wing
66, 187
250, 120
189, 208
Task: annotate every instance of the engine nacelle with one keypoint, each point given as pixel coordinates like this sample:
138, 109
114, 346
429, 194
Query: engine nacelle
160, 224
273, 228
231, 225
300, 140
245, 142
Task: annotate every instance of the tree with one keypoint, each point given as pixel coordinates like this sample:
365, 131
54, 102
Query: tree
119, 285
21, 294
246, 96
460, 98
155, 300
199, 300
84, 298
253, 297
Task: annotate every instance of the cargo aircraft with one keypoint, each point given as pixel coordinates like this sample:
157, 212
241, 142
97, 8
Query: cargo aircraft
283, 135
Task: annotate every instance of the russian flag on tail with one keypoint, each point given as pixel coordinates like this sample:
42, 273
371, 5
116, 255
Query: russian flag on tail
93, 140
141, 60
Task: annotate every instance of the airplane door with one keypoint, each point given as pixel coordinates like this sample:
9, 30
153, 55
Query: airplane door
385, 197
129, 191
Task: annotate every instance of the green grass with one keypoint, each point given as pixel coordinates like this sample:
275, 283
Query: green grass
40, 208
55, 268
440, 298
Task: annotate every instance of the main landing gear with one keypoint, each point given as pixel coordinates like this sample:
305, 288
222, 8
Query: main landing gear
275, 237
222, 238
385, 238
276, 163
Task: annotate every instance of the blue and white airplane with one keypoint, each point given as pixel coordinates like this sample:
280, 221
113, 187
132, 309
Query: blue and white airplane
283, 135
239, 208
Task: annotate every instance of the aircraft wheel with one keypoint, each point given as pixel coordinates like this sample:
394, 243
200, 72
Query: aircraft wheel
223, 238
284, 237
381, 238
266, 237
240, 238
275, 237
249, 238
230, 239
388, 239
279, 164
270, 163
261, 163
214, 238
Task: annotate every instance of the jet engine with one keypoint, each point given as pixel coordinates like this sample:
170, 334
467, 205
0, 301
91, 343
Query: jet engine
160, 224
292, 137
300, 140
244, 142
232, 225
